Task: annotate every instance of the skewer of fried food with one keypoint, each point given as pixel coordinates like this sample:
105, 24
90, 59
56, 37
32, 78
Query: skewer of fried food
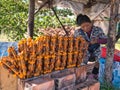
13, 70
64, 53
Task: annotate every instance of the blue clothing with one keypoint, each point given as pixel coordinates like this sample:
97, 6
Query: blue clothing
93, 49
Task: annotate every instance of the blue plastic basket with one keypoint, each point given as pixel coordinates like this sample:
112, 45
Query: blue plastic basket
116, 72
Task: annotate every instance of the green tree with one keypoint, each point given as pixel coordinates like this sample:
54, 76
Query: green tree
46, 18
13, 16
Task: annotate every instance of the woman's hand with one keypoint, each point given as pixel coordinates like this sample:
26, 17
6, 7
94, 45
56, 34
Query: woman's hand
94, 40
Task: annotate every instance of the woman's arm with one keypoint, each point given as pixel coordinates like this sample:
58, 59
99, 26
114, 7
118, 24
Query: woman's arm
102, 41
101, 38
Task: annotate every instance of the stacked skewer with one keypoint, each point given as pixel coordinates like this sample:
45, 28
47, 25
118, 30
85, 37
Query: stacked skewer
44, 55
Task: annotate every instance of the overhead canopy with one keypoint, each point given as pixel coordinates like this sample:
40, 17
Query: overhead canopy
92, 8
95, 9
77, 6
77, 1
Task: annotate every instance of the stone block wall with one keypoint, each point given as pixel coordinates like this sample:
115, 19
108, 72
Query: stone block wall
37, 84
70, 79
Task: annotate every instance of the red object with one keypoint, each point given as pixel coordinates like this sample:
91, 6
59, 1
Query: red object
116, 54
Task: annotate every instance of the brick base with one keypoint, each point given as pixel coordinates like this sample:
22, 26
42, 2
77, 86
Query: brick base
37, 84
70, 87
88, 85
68, 79
63, 80
80, 74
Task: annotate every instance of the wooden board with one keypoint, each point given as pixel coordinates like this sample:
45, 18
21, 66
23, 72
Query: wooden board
7, 81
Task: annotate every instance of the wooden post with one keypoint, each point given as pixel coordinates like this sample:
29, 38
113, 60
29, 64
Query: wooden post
111, 39
31, 18
118, 34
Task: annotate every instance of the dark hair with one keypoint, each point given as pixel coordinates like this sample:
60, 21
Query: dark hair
82, 19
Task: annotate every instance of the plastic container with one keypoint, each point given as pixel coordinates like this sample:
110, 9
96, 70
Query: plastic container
116, 72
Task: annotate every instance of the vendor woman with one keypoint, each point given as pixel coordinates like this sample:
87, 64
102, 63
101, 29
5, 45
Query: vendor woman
94, 36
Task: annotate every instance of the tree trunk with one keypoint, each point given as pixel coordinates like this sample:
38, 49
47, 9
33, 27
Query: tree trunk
117, 37
111, 39
31, 18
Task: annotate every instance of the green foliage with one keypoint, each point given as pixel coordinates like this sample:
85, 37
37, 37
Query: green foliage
107, 86
46, 18
14, 15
